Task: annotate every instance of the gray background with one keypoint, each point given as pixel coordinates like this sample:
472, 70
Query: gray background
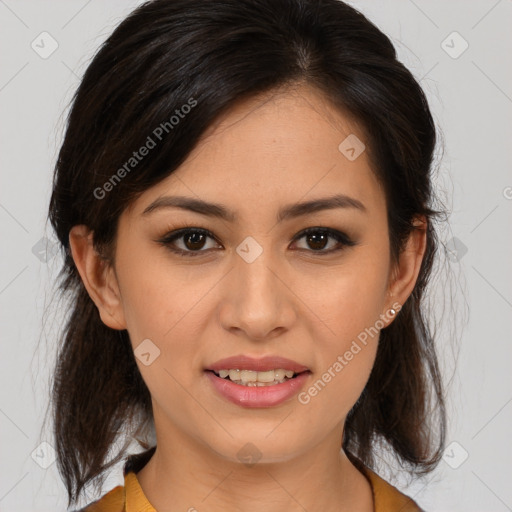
470, 93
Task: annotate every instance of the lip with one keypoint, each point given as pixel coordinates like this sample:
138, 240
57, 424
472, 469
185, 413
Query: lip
254, 396
262, 364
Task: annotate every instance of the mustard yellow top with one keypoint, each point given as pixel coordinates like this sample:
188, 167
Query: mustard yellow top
130, 497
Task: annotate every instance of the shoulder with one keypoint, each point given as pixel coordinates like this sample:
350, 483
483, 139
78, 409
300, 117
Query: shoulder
113, 501
387, 497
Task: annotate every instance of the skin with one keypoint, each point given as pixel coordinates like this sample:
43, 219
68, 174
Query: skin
274, 150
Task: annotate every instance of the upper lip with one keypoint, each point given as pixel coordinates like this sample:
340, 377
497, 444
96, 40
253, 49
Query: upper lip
262, 364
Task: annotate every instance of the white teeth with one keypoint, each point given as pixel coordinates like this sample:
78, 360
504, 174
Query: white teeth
234, 374
252, 378
259, 376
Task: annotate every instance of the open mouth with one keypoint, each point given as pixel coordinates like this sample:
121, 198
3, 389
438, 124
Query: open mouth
252, 378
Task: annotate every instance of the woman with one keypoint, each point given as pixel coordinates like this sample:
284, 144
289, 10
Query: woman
244, 201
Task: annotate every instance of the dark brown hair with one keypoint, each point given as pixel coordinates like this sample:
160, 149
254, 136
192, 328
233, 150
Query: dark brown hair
217, 53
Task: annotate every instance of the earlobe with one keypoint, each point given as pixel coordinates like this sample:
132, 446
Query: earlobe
406, 271
98, 277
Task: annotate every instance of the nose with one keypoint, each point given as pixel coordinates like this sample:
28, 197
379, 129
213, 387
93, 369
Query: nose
259, 303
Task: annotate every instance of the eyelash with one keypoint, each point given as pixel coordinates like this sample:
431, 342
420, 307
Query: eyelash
340, 237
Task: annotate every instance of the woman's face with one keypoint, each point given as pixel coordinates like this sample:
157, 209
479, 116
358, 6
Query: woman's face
254, 285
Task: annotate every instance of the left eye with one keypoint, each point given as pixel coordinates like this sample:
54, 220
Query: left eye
193, 240
317, 238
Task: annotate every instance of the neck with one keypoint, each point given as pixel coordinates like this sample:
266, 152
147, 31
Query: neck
191, 476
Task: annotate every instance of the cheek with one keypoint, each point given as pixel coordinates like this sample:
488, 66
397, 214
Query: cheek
345, 354
351, 307
351, 297
157, 295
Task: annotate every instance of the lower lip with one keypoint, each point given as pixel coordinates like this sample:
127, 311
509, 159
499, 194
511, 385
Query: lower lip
257, 396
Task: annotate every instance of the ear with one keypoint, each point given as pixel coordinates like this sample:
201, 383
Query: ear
98, 276
405, 272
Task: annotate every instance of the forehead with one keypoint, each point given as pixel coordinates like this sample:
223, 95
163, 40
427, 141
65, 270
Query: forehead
282, 146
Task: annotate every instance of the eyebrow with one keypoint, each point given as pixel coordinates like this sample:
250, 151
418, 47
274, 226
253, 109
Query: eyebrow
220, 211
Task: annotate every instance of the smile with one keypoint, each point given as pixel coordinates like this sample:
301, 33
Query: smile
253, 378
257, 394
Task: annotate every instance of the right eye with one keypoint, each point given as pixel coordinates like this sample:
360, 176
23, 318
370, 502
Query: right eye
193, 241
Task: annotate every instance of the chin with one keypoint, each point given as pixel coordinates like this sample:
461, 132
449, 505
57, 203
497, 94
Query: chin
258, 449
